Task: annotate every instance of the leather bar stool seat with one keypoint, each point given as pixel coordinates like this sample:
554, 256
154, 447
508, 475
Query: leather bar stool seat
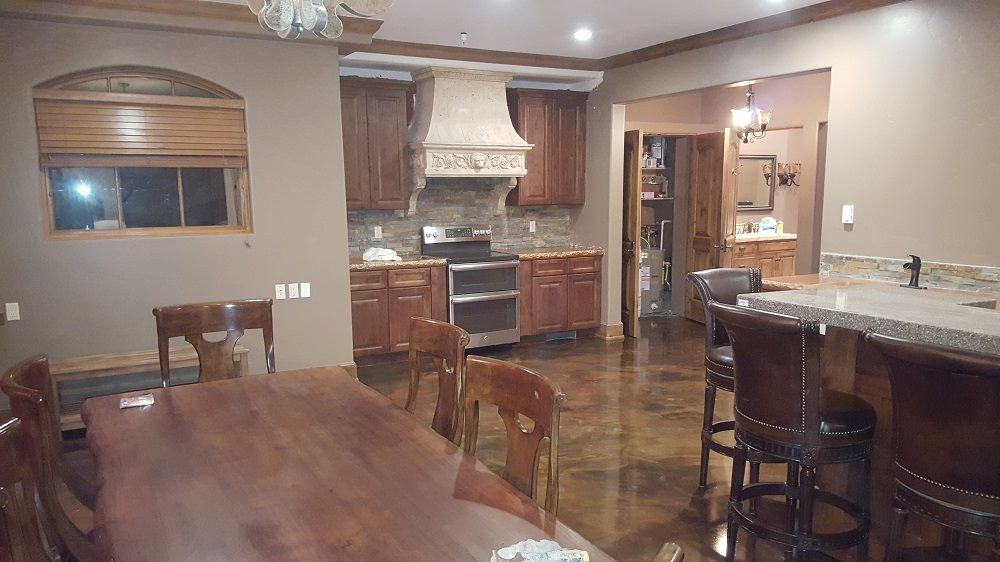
845, 417
719, 367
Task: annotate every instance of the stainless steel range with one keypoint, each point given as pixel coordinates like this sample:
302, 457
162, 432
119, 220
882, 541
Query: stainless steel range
482, 284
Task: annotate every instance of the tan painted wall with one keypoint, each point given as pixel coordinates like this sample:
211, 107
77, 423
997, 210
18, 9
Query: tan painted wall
87, 297
902, 75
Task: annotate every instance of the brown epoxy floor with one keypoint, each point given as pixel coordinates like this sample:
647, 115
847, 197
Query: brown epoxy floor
629, 449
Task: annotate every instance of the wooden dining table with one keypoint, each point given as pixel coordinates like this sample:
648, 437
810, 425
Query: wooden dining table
298, 465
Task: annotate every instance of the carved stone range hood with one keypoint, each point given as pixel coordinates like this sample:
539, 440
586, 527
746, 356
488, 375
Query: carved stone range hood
462, 129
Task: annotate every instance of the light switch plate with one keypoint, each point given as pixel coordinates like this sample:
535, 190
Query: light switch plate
531, 226
13, 311
847, 216
279, 292
305, 290
293, 290
378, 232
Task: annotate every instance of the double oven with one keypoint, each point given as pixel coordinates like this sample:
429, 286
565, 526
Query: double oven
482, 284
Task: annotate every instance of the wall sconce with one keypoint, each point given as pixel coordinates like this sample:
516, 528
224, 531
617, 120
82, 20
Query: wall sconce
768, 172
787, 174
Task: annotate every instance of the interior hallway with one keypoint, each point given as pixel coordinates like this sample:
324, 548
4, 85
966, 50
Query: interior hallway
629, 439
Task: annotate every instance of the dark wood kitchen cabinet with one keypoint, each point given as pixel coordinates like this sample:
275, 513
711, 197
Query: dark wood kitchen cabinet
383, 301
374, 116
555, 122
560, 294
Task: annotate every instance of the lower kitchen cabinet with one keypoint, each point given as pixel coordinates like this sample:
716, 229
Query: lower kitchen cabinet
382, 303
774, 258
560, 294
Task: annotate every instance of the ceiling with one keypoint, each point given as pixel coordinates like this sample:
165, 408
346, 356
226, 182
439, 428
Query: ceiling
546, 26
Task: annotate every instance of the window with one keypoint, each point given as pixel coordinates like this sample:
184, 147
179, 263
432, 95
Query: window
129, 152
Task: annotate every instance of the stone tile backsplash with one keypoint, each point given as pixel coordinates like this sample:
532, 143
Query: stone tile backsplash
976, 278
456, 202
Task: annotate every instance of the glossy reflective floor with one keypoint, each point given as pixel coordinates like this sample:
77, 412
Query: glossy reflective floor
630, 446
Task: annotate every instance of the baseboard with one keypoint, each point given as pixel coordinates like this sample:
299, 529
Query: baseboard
351, 368
611, 332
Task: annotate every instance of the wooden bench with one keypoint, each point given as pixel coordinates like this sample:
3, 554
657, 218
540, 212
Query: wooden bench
79, 378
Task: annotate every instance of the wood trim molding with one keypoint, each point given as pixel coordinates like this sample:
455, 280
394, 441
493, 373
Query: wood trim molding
611, 332
801, 16
351, 368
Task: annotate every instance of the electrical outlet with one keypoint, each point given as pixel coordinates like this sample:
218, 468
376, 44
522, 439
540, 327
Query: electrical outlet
13, 311
279, 292
378, 232
531, 226
305, 290
293, 290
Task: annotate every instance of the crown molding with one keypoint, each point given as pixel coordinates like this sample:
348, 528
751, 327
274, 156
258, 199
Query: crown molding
190, 16
465, 54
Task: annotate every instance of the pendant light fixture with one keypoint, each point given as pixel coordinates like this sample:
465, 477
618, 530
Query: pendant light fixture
750, 122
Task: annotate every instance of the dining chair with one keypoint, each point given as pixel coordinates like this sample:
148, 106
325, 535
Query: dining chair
444, 344
945, 441
215, 358
21, 536
31, 392
518, 393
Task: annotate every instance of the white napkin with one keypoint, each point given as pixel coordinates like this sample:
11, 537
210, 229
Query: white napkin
381, 254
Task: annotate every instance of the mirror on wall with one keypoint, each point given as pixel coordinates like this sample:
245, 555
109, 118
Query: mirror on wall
755, 190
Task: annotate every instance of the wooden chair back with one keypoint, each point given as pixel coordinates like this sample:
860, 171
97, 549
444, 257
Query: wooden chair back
21, 538
517, 393
445, 344
193, 321
32, 399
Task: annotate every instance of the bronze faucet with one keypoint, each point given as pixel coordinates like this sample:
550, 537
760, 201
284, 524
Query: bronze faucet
914, 267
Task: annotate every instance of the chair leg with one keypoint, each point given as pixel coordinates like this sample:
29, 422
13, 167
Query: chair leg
952, 541
791, 490
735, 490
754, 478
863, 483
894, 548
706, 434
807, 488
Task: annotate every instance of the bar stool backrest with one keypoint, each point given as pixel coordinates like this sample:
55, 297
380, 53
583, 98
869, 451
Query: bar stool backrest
722, 285
777, 374
945, 422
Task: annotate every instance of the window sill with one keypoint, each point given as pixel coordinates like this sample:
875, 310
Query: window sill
147, 232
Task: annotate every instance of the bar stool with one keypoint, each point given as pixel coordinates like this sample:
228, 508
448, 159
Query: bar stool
946, 440
782, 412
721, 285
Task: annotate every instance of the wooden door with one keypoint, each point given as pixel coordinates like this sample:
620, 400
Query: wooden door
370, 321
534, 124
548, 304
583, 305
386, 140
404, 304
354, 118
711, 208
630, 233
568, 156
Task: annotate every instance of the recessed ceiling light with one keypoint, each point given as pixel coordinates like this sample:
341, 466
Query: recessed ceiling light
583, 34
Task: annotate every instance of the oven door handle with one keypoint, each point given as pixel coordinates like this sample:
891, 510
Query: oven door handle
485, 297
483, 266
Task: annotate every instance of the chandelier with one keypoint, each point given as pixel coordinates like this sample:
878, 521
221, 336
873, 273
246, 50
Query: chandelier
750, 122
291, 18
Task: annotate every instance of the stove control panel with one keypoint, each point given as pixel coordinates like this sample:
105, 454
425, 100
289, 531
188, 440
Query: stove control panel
440, 234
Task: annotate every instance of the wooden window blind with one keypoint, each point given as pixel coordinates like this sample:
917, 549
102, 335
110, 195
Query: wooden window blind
75, 125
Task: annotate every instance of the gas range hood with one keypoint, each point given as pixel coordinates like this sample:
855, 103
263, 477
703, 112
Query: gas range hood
462, 129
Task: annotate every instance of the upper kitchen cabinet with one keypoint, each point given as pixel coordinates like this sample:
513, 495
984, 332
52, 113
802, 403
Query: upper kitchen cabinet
555, 122
374, 114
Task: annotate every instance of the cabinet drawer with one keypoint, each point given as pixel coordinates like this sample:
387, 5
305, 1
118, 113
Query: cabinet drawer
744, 249
589, 264
545, 268
745, 262
416, 277
367, 280
778, 246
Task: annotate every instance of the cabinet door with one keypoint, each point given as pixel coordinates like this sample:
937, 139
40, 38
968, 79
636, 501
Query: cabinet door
370, 322
784, 265
403, 305
534, 124
766, 265
583, 301
548, 304
386, 141
354, 117
567, 152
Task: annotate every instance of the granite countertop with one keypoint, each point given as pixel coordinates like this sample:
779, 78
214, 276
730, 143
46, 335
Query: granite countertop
757, 237
355, 263
553, 252
808, 280
953, 318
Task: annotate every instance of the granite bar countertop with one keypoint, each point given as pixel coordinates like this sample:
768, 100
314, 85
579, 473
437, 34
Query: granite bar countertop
756, 237
553, 252
953, 318
355, 263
